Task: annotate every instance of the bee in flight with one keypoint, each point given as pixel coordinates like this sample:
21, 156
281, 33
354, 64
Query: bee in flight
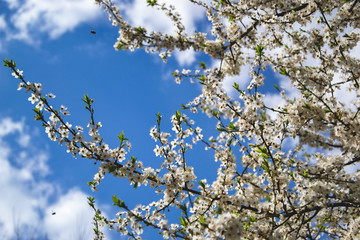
92, 32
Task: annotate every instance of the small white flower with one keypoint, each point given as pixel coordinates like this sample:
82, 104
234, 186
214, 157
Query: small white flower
50, 95
78, 137
79, 128
17, 74
38, 86
21, 86
40, 105
33, 99
96, 138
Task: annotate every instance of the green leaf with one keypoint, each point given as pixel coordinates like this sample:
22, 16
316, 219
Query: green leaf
10, 63
121, 137
306, 105
232, 126
231, 17
265, 165
202, 65
263, 117
36, 110
151, 2
140, 29
178, 115
259, 50
6, 62
214, 113
116, 200
202, 79
236, 86
262, 150
202, 184
119, 46
183, 207
91, 183
284, 72
183, 221
86, 99
39, 115
158, 118
202, 220
246, 225
276, 87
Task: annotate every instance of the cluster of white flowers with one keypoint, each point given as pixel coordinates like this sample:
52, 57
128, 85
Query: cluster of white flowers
268, 185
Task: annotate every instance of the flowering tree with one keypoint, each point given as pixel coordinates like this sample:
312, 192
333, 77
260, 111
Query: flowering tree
281, 170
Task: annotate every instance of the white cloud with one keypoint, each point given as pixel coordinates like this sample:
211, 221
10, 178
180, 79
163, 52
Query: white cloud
273, 100
12, 3
355, 52
352, 169
243, 79
2, 22
7, 126
25, 193
185, 57
343, 95
139, 14
24, 140
21, 196
54, 18
51, 17
70, 212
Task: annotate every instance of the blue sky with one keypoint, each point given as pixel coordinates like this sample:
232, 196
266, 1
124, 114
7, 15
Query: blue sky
51, 42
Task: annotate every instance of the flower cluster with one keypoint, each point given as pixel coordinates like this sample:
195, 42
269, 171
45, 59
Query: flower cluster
281, 171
